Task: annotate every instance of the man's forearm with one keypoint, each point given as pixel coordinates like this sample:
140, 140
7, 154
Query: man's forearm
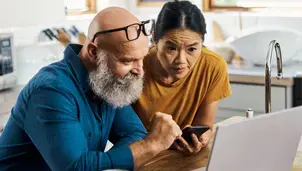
143, 150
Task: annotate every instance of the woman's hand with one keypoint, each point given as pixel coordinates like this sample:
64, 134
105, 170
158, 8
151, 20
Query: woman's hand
197, 143
206, 137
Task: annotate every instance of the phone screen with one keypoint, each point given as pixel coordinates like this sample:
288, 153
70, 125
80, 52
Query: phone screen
186, 134
197, 130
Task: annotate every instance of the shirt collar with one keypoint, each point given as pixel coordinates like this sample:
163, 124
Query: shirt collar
71, 56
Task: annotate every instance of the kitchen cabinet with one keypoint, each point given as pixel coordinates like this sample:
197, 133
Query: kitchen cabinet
225, 113
1, 83
248, 90
252, 96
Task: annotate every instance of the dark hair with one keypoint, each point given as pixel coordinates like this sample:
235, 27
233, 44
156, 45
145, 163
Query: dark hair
177, 15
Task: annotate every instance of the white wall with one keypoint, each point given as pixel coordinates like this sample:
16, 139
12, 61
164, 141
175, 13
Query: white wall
16, 13
151, 12
228, 20
30, 54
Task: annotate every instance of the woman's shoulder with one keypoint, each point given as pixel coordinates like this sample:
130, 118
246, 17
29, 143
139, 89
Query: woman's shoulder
211, 55
151, 53
213, 59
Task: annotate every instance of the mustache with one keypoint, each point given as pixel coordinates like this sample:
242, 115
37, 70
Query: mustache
128, 78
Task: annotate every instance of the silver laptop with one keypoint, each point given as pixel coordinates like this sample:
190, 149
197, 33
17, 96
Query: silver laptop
267, 142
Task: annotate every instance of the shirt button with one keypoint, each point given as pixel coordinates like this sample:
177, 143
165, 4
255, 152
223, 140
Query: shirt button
89, 134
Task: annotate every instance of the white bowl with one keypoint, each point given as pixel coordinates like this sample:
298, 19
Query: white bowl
252, 44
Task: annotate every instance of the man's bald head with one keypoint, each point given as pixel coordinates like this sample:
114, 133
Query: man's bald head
110, 18
115, 42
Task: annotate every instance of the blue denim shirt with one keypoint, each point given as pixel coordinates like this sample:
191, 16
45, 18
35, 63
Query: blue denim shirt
57, 125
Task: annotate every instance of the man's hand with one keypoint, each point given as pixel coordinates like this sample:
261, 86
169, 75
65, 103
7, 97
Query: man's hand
164, 130
196, 145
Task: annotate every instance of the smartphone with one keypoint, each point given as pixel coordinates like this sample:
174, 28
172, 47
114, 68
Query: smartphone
197, 130
186, 134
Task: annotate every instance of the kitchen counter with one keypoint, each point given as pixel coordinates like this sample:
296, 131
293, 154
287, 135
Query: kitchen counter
255, 74
289, 71
8, 99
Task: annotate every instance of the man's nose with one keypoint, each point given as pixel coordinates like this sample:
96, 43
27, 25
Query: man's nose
138, 67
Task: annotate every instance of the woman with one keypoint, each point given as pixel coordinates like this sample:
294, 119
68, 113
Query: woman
183, 78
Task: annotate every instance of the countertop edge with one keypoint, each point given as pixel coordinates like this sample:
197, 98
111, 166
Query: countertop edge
253, 79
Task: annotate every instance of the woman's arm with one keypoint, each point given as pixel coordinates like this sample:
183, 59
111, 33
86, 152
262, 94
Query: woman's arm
206, 114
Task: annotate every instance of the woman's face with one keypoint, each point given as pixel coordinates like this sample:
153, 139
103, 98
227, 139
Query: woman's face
178, 51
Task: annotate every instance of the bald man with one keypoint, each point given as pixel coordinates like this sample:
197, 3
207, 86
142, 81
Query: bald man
68, 111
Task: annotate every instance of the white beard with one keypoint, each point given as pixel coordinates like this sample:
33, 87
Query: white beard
118, 92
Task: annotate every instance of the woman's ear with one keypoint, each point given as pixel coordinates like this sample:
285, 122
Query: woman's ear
92, 52
152, 39
153, 42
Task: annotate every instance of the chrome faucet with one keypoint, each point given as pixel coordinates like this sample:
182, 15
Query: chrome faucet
276, 45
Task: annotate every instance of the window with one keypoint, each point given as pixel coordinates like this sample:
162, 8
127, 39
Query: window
222, 5
76, 7
246, 5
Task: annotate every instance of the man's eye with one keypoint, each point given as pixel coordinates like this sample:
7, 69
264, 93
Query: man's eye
127, 62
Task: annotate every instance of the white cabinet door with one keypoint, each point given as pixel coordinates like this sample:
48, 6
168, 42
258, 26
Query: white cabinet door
246, 96
223, 114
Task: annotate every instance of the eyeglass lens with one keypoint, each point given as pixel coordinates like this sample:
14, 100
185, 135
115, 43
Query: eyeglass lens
133, 32
148, 26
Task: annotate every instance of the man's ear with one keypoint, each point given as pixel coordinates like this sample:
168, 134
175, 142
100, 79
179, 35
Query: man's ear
92, 51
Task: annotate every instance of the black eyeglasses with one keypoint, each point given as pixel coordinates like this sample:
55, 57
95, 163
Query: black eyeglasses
132, 31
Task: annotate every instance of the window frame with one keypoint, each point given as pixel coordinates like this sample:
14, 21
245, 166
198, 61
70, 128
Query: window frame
209, 7
139, 3
91, 9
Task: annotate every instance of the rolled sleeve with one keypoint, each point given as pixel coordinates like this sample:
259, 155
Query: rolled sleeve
120, 157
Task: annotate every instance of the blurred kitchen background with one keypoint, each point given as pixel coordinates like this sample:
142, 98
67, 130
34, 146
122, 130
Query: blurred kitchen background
239, 30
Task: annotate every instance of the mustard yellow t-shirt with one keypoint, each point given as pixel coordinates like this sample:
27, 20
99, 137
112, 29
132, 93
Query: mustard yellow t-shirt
206, 82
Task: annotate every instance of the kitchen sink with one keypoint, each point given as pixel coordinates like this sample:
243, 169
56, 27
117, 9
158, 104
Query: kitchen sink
252, 45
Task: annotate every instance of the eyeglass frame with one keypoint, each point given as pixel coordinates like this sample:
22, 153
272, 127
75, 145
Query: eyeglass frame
140, 29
